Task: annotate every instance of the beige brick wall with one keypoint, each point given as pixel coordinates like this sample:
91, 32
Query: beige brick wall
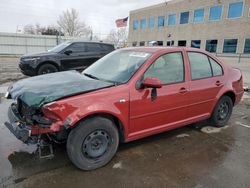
224, 29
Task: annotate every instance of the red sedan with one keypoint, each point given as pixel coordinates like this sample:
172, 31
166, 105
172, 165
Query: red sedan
129, 94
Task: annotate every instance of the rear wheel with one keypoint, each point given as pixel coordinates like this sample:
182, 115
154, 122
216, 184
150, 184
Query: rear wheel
46, 69
222, 112
93, 143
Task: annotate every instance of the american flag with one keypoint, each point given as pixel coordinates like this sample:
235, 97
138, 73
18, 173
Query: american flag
122, 22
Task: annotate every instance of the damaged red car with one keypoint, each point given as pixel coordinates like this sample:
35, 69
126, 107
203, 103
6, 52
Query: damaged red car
127, 95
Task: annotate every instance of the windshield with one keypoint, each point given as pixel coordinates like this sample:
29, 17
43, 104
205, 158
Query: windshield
60, 47
118, 66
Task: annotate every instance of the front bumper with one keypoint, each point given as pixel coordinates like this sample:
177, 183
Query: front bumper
26, 69
18, 128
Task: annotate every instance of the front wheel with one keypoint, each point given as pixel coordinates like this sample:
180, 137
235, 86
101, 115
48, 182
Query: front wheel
222, 112
46, 69
93, 143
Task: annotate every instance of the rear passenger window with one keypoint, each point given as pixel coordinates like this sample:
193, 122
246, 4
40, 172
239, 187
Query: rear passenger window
93, 47
200, 66
168, 68
107, 47
217, 69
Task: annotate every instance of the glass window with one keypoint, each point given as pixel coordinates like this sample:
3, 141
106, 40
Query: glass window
217, 69
184, 18
211, 46
230, 46
159, 43
168, 68
200, 66
196, 44
78, 47
161, 21
134, 44
199, 15
93, 47
172, 19
170, 43
247, 46
215, 12
143, 23
135, 24
182, 43
142, 43
151, 22
235, 10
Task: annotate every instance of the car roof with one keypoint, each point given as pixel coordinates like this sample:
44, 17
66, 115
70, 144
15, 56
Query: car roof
95, 42
163, 49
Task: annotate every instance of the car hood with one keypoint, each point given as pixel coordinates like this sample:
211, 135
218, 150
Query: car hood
38, 54
40, 90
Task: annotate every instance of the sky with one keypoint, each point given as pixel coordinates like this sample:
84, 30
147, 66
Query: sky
99, 14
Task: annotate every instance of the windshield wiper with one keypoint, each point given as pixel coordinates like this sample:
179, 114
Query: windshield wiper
96, 78
91, 76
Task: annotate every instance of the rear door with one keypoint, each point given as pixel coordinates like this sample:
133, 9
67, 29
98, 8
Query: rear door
93, 53
206, 80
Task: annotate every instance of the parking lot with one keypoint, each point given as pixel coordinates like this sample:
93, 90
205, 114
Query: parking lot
194, 156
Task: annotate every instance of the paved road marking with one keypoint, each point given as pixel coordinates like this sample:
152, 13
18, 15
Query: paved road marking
242, 124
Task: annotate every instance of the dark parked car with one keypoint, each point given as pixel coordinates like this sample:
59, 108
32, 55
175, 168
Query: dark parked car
127, 95
66, 56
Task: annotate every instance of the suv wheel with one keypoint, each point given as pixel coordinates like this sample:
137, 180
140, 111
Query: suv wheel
222, 112
46, 69
93, 143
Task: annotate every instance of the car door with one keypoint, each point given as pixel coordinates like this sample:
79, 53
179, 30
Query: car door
93, 53
76, 59
169, 109
206, 80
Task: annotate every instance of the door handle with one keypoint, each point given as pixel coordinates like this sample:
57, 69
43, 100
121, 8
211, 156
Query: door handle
218, 83
183, 90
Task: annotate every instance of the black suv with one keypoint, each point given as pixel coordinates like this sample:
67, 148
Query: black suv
66, 56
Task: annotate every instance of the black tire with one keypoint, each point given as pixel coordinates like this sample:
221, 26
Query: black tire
46, 69
93, 143
222, 112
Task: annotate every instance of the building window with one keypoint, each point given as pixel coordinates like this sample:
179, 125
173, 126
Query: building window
135, 24
247, 46
182, 43
172, 19
170, 43
143, 23
184, 18
142, 43
235, 10
211, 46
200, 66
196, 44
151, 22
215, 13
161, 21
134, 44
230, 45
199, 15
160, 43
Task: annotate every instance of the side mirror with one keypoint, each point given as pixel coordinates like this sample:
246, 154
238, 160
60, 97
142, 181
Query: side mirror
152, 82
68, 52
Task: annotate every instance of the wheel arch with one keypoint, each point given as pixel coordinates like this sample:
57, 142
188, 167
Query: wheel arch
230, 94
118, 123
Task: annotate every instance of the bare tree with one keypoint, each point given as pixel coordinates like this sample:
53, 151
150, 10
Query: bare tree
118, 37
72, 26
29, 29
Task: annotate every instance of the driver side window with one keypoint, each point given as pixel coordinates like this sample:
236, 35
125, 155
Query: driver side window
77, 47
168, 68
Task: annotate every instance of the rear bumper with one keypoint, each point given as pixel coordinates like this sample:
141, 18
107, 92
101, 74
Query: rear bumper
17, 127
